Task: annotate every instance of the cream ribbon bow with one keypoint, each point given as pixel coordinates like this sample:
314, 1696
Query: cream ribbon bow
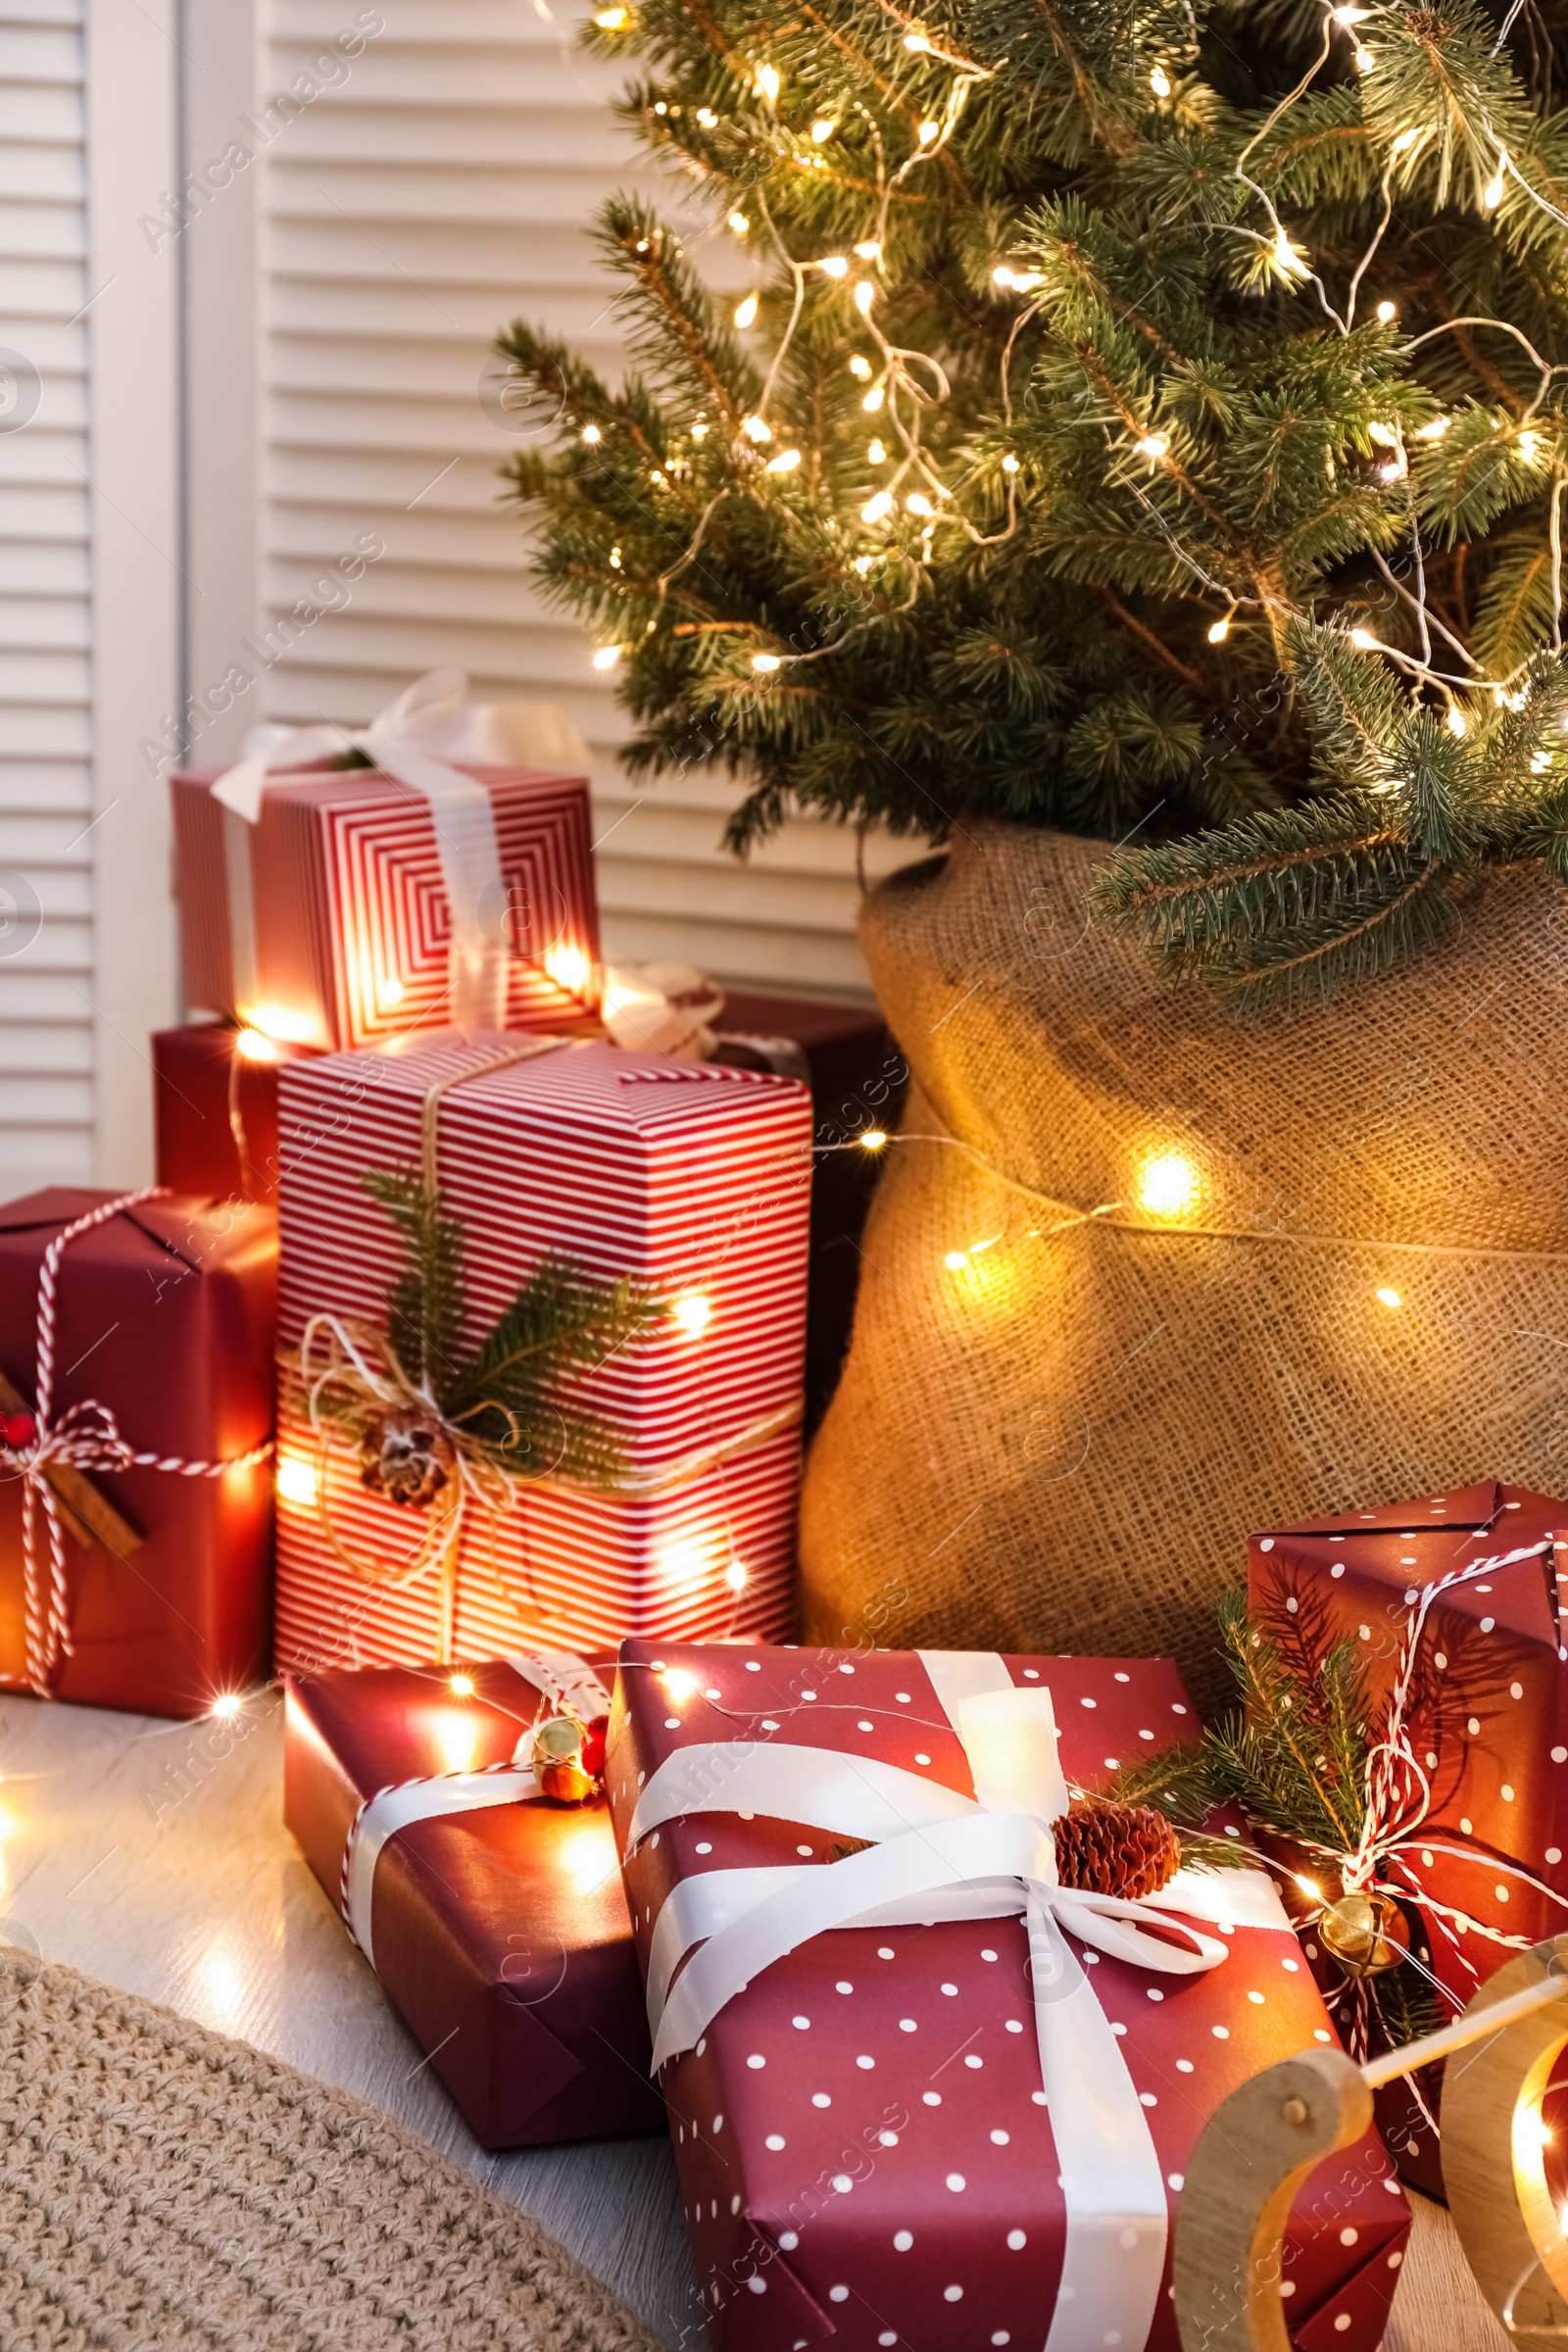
415, 739
939, 1855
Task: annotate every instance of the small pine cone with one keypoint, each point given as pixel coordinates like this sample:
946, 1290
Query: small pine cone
1107, 1848
406, 1457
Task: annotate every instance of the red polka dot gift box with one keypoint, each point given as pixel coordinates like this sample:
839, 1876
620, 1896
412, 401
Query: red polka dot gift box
922, 2095
1451, 1605
399, 1541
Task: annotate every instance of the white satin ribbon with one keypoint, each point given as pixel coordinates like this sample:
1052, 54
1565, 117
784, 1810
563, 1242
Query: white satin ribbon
415, 739
566, 1681
940, 1856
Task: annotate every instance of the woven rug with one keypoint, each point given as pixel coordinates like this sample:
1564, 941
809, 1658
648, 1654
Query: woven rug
163, 2187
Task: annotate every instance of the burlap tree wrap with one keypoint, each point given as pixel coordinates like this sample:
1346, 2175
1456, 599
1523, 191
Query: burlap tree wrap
1059, 1443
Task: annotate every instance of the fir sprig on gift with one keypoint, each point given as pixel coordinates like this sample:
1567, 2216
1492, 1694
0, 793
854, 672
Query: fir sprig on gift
1144, 419
508, 1402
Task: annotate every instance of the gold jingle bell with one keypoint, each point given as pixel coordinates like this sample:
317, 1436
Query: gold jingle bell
557, 1761
1365, 1932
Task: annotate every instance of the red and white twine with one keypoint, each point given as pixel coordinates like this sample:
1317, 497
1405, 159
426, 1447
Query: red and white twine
85, 1436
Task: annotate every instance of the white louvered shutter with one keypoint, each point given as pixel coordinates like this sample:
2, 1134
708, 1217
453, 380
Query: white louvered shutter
444, 187
46, 973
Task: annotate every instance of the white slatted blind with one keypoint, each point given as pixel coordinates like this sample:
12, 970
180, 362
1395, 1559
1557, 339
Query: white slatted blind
46, 1024
442, 188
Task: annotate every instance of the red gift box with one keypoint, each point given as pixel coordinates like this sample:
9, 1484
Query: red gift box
215, 1106
861, 2120
495, 1920
694, 1180
1487, 1720
326, 923
161, 1349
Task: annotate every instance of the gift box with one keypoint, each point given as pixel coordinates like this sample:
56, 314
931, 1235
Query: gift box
940, 2125
135, 1483
215, 1109
494, 1917
1458, 1597
694, 1183
329, 919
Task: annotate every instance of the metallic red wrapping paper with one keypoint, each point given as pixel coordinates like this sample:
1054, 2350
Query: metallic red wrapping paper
165, 1314
500, 1937
863, 2153
1496, 1737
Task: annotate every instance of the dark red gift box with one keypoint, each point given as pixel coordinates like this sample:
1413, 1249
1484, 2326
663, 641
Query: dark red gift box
864, 2147
500, 1934
165, 1318
214, 1107
1489, 1719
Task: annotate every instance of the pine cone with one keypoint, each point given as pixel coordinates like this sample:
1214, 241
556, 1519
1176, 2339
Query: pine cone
406, 1457
1107, 1848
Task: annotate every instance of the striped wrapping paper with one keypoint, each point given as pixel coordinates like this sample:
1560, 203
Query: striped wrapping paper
350, 913
695, 1179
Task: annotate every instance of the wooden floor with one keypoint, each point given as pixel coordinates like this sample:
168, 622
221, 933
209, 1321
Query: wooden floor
201, 1901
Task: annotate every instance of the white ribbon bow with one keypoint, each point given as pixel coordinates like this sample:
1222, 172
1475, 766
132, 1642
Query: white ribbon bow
939, 1855
414, 740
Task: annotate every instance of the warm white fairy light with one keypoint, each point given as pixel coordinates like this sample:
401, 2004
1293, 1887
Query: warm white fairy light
615, 559
869, 249
707, 118
879, 504
785, 463
1530, 448
1009, 464
769, 83
860, 367
874, 399
612, 19
1219, 630
746, 312
591, 434
929, 131
1364, 61
1364, 639
1435, 430
1159, 82
699, 430
877, 453
1385, 435
835, 265
1288, 259
1349, 16
864, 296
755, 430
917, 503
1459, 724
607, 657
862, 565
739, 224
920, 42
735, 1576
1153, 445
1387, 313
766, 661
824, 128
1491, 193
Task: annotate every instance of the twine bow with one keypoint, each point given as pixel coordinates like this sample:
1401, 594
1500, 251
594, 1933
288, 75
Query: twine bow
84, 1437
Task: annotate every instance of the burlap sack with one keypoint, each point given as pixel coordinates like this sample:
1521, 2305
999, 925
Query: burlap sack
1282, 1265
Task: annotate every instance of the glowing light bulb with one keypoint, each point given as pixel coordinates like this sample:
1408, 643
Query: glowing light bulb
1491, 193
607, 657
1167, 1185
918, 503
877, 453
678, 1683
874, 399
1405, 141
1219, 630
877, 505
755, 429
611, 19
461, 1686
1009, 464
1387, 313
707, 116
735, 1576
1435, 430
1153, 445
1390, 1298
860, 367
929, 131
766, 661
1308, 1886
835, 265
252, 1046
869, 249
746, 312
873, 1138
862, 565
389, 994
785, 463
1364, 639
1159, 82
864, 296
569, 969
918, 41
225, 1705
955, 1259
277, 1021
591, 434
693, 1311
1530, 448
1288, 259
296, 1479
588, 1858
739, 224
1002, 274
767, 82
1459, 724
824, 128
1364, 60
1349, 16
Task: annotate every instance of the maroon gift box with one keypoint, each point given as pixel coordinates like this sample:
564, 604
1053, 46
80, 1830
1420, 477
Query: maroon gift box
500, 1936
348, 917
864, 2149
166, 1315
1489, 1717
215, 1107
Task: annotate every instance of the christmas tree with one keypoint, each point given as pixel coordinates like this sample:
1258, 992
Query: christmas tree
1139, 420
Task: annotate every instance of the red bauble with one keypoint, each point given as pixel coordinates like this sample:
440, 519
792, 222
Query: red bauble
21, 1428
593, 1745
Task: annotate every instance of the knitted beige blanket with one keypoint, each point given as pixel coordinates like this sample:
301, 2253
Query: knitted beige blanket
161, 2185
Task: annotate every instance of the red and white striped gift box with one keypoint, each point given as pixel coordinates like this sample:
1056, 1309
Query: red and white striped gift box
349, 912
696, 1180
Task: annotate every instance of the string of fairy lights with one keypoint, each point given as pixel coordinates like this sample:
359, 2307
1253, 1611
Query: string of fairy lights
903, 384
